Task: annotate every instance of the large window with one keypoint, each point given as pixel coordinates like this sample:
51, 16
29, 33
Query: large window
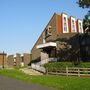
73, 26
65, 25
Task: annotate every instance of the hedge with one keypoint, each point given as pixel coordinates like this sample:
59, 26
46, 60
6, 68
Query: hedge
58, 65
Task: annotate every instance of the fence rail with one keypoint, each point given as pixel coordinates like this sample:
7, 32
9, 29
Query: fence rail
69, 71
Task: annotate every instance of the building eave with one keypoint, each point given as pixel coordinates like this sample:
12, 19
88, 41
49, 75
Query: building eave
49, 44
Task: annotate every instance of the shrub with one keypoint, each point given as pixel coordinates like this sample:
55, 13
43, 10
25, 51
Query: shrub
84, 65
59, 65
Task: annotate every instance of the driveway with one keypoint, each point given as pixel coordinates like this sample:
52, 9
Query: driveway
13, 84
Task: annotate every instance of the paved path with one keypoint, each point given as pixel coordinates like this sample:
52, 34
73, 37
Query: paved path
13, 84
30, 71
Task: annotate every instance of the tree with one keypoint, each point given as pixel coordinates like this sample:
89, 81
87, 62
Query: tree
84, 3
86, 22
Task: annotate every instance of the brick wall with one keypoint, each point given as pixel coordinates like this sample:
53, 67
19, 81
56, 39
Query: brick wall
18, 59
3, 59
36, 52
10, 60
26, 58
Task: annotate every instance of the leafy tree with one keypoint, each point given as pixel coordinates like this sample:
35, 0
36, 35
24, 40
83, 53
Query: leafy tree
86, 22
84, 3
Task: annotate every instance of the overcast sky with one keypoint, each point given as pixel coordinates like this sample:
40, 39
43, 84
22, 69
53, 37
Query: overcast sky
22, 21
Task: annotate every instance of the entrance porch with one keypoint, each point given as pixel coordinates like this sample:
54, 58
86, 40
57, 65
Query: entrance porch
48, 52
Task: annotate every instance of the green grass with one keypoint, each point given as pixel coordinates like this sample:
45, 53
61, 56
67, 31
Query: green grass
58, 82
18, 67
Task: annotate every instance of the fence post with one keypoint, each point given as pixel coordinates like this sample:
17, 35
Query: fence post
66, 70
78, 72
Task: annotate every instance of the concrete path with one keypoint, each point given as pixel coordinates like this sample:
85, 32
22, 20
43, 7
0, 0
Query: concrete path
30, 71
13, 84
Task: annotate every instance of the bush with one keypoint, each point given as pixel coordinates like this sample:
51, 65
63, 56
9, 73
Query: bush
84, 65
59, 65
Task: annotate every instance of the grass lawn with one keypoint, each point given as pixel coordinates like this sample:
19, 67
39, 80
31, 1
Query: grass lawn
58, 82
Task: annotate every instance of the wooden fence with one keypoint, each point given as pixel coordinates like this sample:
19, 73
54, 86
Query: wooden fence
70, 71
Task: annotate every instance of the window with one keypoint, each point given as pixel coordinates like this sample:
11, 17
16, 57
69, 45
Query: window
48, 31
80, 27
73, 26
65, 25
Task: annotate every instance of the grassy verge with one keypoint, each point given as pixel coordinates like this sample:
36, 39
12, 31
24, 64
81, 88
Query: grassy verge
58, 82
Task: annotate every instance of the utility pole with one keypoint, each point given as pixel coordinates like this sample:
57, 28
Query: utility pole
3, 61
